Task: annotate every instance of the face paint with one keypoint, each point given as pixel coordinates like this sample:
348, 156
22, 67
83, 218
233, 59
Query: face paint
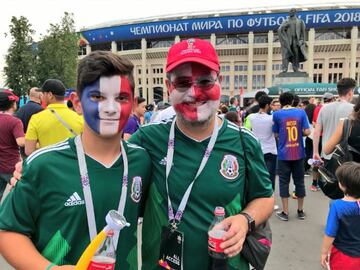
195, 104
107, 104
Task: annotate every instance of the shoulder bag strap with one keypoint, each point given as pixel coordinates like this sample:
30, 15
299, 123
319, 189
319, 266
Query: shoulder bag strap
63, 122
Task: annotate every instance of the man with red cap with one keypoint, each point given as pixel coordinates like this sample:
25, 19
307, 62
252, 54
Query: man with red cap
11, 137
198, 163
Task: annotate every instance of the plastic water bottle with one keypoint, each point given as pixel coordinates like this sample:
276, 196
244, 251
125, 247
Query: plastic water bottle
216, 233
314, 162
105, 257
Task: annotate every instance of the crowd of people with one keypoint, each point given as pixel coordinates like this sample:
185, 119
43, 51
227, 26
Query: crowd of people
171, 164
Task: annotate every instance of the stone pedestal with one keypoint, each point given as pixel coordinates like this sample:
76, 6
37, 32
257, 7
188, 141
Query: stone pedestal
291, 77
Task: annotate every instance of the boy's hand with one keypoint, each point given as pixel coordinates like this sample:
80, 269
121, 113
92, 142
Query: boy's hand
324, 260
16, 175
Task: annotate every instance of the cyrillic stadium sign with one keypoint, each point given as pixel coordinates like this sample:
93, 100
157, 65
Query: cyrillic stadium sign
222, 25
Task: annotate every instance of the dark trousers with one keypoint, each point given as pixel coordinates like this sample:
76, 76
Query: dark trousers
270, 161
308, 152
294, 168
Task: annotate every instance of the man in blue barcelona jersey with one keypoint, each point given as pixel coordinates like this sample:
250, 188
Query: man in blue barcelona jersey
290, 125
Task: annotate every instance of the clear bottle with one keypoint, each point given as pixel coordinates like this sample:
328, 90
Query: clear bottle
105, 257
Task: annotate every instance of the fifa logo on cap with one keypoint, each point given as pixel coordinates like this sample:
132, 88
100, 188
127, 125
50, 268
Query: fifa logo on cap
190, 43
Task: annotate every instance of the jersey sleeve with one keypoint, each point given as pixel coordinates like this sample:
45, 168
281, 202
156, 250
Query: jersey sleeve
18, 130
31, 133
275, 123
258, 179
21, 207
247, 122
332, 224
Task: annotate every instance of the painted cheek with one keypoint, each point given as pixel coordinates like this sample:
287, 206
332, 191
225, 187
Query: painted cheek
90, 108
125, 108
214, 93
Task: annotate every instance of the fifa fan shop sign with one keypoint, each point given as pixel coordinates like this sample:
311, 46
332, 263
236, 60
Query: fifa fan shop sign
222, 25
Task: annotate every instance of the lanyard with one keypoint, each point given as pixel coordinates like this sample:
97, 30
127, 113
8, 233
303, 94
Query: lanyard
85, 182
174, 220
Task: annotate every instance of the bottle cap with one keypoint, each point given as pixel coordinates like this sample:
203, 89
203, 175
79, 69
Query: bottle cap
219, 211
115, 221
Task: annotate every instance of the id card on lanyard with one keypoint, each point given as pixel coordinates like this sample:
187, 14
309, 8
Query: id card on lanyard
172, 240
85, 182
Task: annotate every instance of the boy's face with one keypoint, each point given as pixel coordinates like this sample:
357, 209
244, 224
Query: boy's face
107, 104
194, 102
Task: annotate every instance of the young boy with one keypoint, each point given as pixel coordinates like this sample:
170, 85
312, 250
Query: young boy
342, 233
50, 216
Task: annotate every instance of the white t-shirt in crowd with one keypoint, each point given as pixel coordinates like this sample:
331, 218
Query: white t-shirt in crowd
261, 125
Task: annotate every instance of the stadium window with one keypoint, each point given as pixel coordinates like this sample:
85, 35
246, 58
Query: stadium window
340, 65
154, 81
315, 66
101, 47
320, 66
330, 65
139, 81
139, 71
330, 78
335, 65
131, 45
82, 50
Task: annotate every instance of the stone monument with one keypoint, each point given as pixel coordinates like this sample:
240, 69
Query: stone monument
292, 38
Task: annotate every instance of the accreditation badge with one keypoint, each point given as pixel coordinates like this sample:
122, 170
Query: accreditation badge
171, 249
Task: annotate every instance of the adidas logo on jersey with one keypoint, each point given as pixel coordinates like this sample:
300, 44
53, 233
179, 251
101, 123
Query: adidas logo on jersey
74, 200
163, 161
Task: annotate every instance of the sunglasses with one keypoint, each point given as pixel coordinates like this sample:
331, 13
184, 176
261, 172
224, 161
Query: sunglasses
203, 83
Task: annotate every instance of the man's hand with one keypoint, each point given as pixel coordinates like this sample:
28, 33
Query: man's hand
16, 175
235, 236
316, 156
324, 260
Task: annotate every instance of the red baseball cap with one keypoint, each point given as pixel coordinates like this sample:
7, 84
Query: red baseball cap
7, 94
193, 50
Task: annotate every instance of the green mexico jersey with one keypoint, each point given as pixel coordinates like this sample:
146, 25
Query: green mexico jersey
48, 203
221, 183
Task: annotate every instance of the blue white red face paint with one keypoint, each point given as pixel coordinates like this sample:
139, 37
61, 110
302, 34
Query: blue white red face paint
107, 104
195, 104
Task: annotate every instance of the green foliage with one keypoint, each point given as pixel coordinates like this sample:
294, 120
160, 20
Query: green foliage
20, 62
58, 52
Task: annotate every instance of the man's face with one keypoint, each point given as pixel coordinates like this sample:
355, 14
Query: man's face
195, 102
292, 12
275, 106
141, 109
107, 104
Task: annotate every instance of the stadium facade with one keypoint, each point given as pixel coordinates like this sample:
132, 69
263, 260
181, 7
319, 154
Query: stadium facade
246, 41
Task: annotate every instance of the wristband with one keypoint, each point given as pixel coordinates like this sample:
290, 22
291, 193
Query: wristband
50, 266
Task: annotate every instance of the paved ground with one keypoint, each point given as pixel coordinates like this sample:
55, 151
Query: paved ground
296, 243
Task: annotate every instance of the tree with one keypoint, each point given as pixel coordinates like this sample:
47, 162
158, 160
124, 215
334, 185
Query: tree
20, 62
58, 52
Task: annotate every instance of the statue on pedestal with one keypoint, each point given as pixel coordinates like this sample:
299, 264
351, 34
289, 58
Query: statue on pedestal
292, 39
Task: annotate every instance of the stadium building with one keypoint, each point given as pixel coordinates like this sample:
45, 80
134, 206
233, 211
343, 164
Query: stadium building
246, 41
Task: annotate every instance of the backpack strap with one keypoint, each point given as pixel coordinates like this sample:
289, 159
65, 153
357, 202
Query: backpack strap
63, 122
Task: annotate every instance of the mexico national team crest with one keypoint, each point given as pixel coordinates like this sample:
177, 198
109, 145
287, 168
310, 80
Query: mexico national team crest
229, 167
136, 189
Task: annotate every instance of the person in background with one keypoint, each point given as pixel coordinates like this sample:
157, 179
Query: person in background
327, 98
234, 105
134, 123
290, 125
54, 124
33, 106
11, 137
330, 115
148, 113
233, 117
275, 106
261, 124
341, 243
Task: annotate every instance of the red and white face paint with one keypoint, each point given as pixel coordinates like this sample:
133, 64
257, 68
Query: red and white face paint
195, 104
107, 104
